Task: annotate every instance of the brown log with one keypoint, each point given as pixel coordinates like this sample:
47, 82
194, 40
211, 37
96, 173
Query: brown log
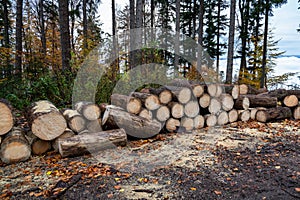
67, 134
172, 125
244, 115
233, 90
91, 143
183, 94
227, 102
259, 101
38, 146
164, 95
211, 120
94, 126
247, 89
187, 123
191, 109
75, 120
131, 104
223, 118
214, 90
198, 90
146, 114
242, 103
280, 94
273, 114
135, 126
204, 101
290, 101
177, 110
199, 122
233, 115
162, 114
15, 147
214, 106
297, 113
6, 117
88, 110
46, 122
150, 101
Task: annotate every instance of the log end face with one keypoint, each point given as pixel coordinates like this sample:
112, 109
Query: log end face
15, 152
6, 119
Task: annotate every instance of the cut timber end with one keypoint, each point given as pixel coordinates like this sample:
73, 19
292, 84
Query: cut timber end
199, 122
270, 114
204, 101
165, 97
244, 115
227, 102
172, 124
89, 110
177, 109
6, 118
290, 101
188, 124
297, 113
152, 102
163, 114
214, 90
215, 106
184, 95
191, 109
233, 115
243, 89
145, 113
198, 90
222, 118
211, 120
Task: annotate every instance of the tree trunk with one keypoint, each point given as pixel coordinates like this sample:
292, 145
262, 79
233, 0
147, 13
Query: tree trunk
88, 110
15, 147
85, 25
200, 36
19, 39
177, 33
6, 117
132, 37
265, 46
8, 71
42, 24
273, 114
280, 94
259, 101
130, 104
75, 121
46, 122
92, 142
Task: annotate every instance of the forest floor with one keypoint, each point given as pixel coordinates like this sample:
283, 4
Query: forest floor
239, 161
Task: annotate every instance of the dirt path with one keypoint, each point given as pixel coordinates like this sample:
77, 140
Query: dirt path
241, 161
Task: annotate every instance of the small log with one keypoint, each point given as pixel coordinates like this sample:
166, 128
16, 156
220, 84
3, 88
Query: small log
260, 101
162, 114
253, 112
172, 125
135, 126
204, 101
177, 110
88, 110
198, 90
146, 114
164, 95
233, 90
223, 118
273, 114
297, 113
191, 109
15, 147
91, 143
199, 122
38, 146
187, 123
75, 120
131, 104
244, 115
227, 102
290, 101
242, 103
211, 120
94, 126
214, 106
233, 116
183, 94
214, 90
67, 134
150, 101
46, 122
6, 117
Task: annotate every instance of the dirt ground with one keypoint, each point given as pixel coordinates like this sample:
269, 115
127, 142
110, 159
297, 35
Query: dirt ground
239, 161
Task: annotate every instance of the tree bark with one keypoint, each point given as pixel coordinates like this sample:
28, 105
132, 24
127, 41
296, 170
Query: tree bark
67, 134
42, 25
273, 114
259, 101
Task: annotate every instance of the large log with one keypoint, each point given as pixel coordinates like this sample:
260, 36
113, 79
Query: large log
150, 101
38, 146
75, 120
247, 89
67, 134
272, 114
162, 114
214, 106
227, 102
280, 94
259, 101
297, 113
291, 101
6, 117
91, 143
172, 124
191, 109
177, 109
46, 122
233, 90
15, 147
89, 110
164, 95
242, 103
204, 100
135, 126
131, 104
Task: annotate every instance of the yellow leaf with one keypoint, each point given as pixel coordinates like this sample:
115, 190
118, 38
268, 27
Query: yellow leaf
193, 189
117, 179
49, 173
277, 167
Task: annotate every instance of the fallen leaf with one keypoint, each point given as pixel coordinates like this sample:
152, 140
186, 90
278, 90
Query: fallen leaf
193, 189
277, 167
217, 192
117, 187
110, 195
297, 189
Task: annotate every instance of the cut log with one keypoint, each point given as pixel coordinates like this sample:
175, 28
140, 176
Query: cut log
15, 147
259, 101
242, 103
91, 143
247, 89
204, 101
222, 118
280, 94
75, 120
150, 101
273, 114
94, 126
164, 95
88, 110
46, 122
211, 120
198, 90
297, 113
6, 117
233, 90
162, 114
38, 146
177, 109
191, 109
131, 104
199, 122
214, 106
290, 101
227, 102
146, 114
135, 126
244, 115
233, 116
214, 90
172, 125
187, 123
183, 94
67, 134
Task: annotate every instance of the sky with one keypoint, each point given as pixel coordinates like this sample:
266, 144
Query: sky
285, 21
